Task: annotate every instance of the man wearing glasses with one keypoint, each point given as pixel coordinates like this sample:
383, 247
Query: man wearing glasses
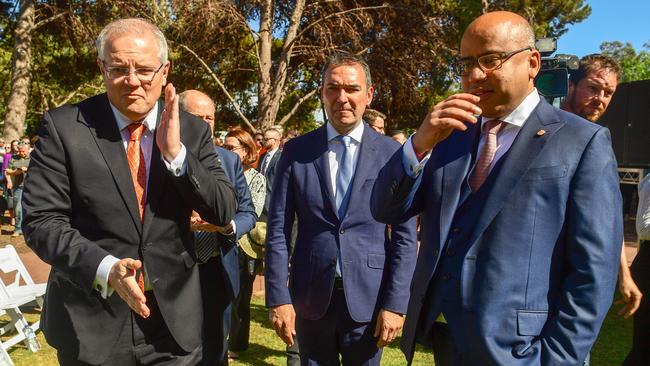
112, 184
268, 161
519, 245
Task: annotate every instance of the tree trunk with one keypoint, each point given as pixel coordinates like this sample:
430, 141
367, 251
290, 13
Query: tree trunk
14, 125
264, 119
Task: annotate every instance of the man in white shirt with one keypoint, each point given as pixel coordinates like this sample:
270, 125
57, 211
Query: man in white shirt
268, 161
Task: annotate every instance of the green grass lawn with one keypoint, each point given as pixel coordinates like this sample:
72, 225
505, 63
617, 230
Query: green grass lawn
267, 349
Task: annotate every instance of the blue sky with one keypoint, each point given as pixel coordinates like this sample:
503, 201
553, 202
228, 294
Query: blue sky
610, 20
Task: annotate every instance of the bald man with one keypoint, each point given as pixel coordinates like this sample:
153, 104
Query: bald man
217, 246
519, 246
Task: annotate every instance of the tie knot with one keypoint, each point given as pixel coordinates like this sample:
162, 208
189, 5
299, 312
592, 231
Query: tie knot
135, 130
494, 126
345, 140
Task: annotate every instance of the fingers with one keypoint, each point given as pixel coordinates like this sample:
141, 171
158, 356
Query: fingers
283, 320
122, 279
388, 326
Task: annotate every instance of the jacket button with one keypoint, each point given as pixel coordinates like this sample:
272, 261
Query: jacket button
445, 276
450, 253
456, 230
342, 231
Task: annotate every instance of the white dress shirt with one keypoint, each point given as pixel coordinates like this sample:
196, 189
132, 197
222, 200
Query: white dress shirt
335, 151
514, 122
177, 167
643, 211
267, 159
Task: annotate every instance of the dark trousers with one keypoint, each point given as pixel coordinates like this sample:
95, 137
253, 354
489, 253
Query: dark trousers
336, 333
293, 353
216, 312
241, 310
143, 342
639, 354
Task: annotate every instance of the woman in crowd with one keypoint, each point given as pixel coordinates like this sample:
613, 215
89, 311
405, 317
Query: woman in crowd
241, 143
7, 189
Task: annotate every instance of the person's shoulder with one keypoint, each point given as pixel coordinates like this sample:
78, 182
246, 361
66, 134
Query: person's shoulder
304, 142
67, 110
226, 154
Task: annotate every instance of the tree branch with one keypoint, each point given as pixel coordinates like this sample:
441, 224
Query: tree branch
46, 21
223, 87
295, 107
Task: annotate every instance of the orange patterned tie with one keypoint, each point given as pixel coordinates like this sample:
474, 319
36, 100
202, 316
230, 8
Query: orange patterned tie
138, 169
482, 168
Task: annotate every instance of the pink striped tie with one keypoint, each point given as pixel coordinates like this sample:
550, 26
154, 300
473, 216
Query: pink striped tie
482, 168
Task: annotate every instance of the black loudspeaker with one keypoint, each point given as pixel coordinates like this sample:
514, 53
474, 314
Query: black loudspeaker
628, 119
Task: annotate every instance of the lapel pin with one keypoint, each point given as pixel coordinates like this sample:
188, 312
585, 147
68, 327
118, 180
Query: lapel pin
541, 132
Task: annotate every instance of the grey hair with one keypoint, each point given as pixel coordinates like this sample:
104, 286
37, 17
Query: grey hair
339, 59
137, 26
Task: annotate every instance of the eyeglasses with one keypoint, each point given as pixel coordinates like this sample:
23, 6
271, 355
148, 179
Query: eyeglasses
268, 138
232, 147
486, 63
144, 74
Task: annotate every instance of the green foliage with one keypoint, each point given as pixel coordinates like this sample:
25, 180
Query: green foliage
635, 66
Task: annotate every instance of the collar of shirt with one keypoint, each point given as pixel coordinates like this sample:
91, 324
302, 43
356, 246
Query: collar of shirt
356, 134
517, 117
149, 121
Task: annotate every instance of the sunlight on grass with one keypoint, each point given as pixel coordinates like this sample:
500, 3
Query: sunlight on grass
267, 349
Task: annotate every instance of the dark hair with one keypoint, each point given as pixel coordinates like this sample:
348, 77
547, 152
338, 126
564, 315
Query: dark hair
247, 143
592, 63
396, 132
339, 59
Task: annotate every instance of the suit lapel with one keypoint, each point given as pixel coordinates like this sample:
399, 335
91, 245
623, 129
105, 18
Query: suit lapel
524, 150
365, 164
103, 127
454, 174
323, 167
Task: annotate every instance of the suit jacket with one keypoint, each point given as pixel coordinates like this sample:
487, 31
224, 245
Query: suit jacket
245, 219
539, 275
270, 176
376, 269
80, 206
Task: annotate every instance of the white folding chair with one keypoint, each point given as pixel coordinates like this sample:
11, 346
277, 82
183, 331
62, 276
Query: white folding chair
20, 291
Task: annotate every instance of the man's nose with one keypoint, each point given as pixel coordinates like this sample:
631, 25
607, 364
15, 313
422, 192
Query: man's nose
132, 79
475, 73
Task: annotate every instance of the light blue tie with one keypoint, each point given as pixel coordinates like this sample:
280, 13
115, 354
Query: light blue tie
343, 179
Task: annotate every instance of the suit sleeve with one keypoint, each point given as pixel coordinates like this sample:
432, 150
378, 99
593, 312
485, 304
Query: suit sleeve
278, 234
47, 206
395, 196
205, 186
594, 229
402, 253
245, 217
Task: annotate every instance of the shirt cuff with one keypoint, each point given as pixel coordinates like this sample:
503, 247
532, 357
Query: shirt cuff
234, 228
178, 166
412, 165
101, 277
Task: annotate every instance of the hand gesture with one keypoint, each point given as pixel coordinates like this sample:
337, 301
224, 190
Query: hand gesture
122, 279
388, 327
283, 319
446, 116
168, 131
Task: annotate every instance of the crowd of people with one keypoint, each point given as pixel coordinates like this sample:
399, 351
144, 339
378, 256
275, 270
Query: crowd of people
15, 162
492, 235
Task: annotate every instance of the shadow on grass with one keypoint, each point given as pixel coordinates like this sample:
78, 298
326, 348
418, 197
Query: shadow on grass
258, 354
260, 315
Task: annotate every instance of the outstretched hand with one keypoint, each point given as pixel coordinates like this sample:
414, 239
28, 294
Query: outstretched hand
122, 279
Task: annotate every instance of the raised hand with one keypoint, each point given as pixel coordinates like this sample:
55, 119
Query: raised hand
446, 116
168, 131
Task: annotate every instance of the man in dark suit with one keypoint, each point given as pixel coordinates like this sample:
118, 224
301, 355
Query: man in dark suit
113, 181
268, 162
217, 246
349, 278
519, 245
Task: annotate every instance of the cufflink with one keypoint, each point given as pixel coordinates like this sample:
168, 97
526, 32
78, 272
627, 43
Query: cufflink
541, 132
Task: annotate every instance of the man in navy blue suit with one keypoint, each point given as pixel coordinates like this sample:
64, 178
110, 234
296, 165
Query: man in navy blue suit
520, 213
219, 272
349, 275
